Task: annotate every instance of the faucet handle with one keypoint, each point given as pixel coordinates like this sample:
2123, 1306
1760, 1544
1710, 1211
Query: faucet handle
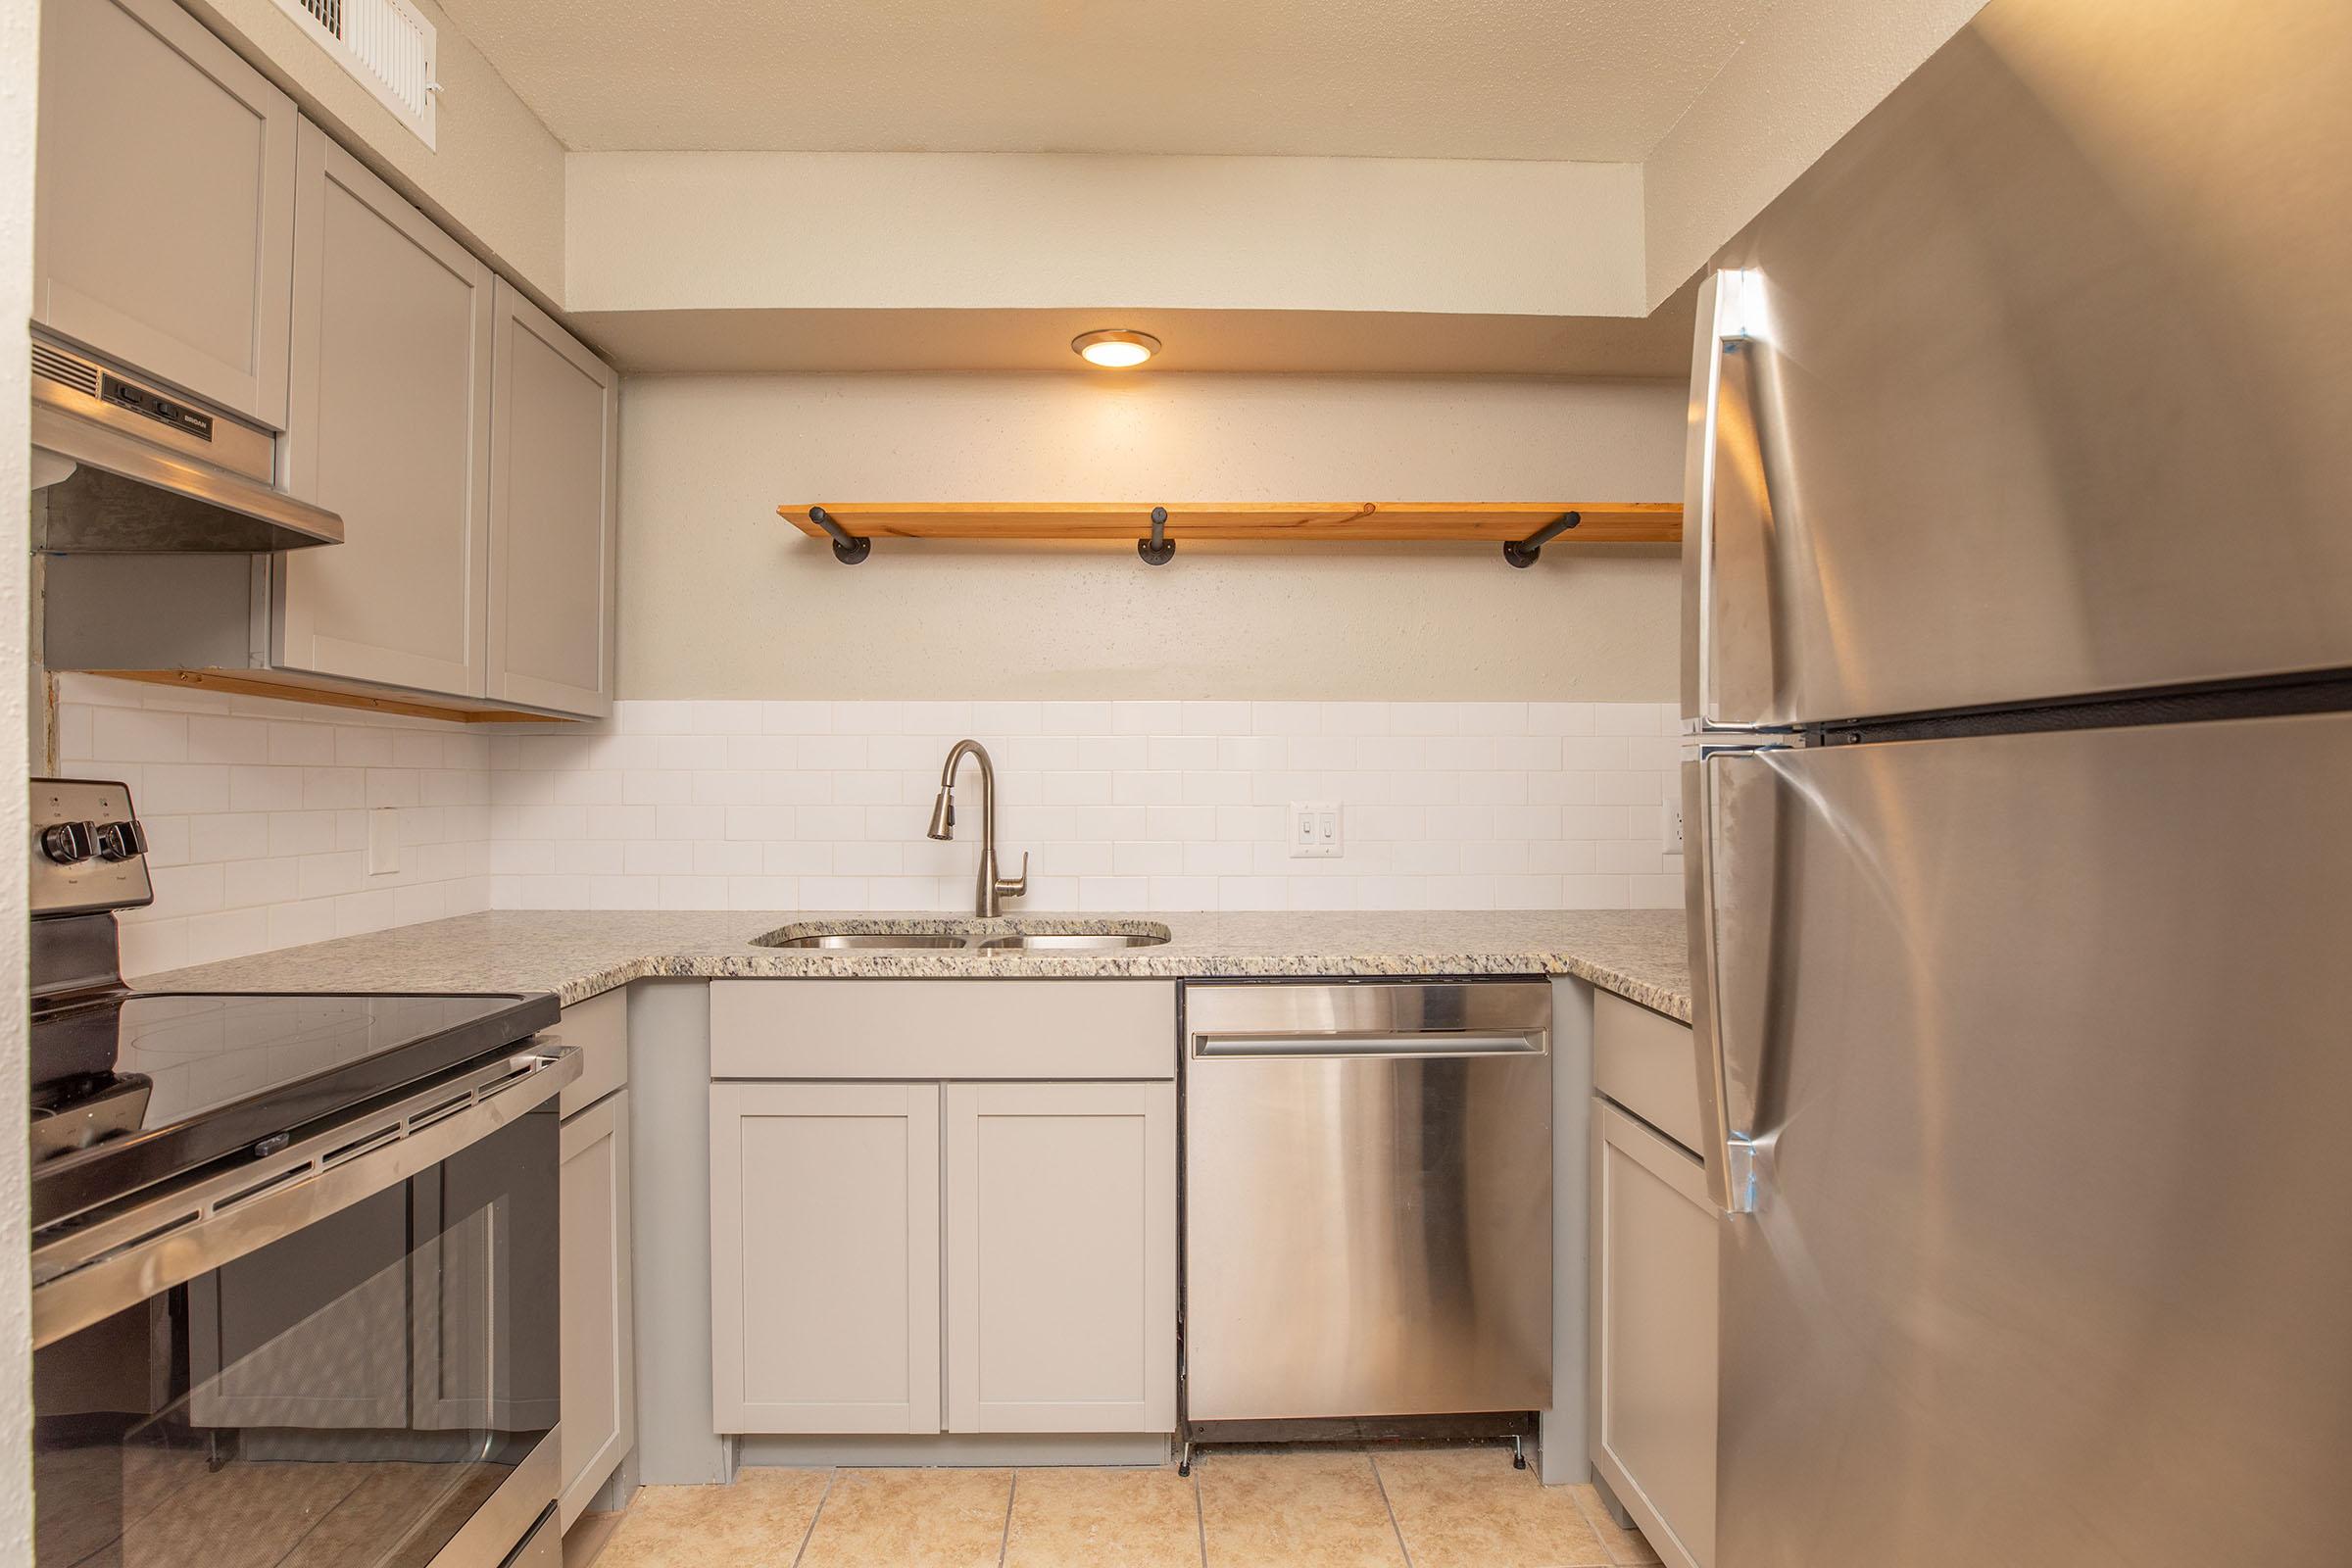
1015, 886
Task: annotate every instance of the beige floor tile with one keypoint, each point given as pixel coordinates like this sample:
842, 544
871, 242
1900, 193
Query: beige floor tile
759, 1521
1624, 1545
585, 1540
1294, 1510
912, 1519
1102, 1518
1469, 1508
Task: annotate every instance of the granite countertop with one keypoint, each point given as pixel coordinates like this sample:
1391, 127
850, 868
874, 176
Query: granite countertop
1638, 953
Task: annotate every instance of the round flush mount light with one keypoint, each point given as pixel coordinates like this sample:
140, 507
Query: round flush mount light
1115, 349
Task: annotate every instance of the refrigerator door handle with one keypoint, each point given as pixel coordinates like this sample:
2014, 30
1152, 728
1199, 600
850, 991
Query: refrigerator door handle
1727, 587
1738, 1161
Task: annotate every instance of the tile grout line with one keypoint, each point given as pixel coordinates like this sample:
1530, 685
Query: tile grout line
832, 1475
1012, 1488
1382, 1487
1200, 1511
1594, 1517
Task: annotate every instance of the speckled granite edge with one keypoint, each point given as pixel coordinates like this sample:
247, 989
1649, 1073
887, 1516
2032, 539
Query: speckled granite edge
1638, 954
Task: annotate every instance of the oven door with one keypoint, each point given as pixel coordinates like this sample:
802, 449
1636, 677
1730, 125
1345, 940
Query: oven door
374, 1386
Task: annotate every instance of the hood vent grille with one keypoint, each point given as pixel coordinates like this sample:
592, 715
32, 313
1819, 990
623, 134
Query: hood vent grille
65, 370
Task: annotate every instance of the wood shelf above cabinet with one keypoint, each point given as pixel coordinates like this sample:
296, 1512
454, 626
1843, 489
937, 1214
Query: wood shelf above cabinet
1522, 529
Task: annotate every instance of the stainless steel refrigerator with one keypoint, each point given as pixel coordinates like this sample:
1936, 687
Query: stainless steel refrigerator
2019, 795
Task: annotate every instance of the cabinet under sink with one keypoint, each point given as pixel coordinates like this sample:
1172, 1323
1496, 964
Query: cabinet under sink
943, 1207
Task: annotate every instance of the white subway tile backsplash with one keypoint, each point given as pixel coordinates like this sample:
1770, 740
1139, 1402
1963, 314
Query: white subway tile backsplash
258, 810
254, 815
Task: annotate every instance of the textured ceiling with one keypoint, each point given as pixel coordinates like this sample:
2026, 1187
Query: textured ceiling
1586, 80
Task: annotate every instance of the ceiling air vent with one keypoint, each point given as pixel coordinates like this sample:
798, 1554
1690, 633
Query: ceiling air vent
386, 45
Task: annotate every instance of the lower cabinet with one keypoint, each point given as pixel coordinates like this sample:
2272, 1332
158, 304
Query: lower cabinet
598, 1327
1062, 1257
1038, 1219
1653, 1325
825, 1277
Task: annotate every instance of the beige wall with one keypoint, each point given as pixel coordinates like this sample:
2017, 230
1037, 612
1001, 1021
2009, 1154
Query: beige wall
719, 597
495, 174
822, 230
1807, 75
19, 85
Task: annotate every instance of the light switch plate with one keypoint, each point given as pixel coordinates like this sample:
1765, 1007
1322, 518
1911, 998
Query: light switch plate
1314, 830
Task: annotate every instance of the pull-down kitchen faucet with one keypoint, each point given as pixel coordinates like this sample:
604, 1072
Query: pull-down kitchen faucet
991, 888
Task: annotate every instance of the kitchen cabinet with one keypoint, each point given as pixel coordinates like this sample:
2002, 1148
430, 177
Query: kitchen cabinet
972, 1237
390, 427
1652, 1422
163, 212
554, 466
1061, 1253
824, 1221
598, 1333
598, 1373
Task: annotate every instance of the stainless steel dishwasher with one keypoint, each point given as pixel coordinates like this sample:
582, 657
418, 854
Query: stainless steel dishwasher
1367, 1198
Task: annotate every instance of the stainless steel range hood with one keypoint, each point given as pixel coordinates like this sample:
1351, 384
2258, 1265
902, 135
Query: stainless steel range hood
123, 466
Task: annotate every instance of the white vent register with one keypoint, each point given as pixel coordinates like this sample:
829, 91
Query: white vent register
387, 46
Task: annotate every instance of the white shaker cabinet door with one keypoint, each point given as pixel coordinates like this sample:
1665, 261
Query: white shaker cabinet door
1654, 1328
1062, 1257
390, 427
555, 514
163, 221
599, 1327
824, 1241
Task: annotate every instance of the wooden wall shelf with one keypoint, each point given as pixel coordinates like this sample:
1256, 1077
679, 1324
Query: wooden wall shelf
1522, 529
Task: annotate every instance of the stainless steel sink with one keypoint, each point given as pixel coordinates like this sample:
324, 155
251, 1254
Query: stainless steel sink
977, 936
1072, 941
863, 939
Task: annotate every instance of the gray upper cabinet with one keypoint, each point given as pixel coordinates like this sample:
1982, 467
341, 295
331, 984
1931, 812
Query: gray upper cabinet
555, 505
391, 427
165, 208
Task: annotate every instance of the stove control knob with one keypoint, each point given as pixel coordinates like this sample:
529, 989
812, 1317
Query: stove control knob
67, 842
120, 841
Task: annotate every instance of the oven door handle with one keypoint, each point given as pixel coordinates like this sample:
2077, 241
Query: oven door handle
88, 1271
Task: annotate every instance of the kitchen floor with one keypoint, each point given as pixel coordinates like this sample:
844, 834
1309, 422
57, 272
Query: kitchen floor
1396, 1509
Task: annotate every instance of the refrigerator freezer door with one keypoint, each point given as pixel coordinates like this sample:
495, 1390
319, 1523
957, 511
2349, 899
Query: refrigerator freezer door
2048, 1038
2035, 384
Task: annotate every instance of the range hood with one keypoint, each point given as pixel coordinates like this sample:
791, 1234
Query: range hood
120, 465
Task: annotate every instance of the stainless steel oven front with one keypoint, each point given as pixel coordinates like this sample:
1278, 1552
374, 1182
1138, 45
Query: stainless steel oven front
341, 1354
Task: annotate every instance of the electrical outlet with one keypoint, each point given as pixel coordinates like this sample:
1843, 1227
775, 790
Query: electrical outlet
383, 841
1314, 830
1670, 823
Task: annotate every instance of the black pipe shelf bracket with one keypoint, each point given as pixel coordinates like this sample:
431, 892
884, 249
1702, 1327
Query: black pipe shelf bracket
1159, 548
1523, 552
848, 548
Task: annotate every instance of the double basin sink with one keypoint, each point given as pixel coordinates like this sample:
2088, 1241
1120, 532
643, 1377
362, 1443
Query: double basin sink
972, 935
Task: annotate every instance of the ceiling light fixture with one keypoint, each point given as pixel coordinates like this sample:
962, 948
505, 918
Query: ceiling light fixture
1115, 349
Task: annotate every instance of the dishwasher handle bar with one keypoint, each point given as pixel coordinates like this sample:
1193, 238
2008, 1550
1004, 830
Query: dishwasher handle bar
1432, 1043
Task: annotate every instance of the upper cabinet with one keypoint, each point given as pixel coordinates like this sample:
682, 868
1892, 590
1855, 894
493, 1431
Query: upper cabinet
164, 210
555, 466
391, 427
193, 226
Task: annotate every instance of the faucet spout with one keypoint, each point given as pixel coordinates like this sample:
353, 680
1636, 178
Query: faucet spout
990, 890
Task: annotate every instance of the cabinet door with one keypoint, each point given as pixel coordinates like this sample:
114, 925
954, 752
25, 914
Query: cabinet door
390, 427
1062, 1257
555, 469
824, 1256
599, 1332
164, 225
1653, 1322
